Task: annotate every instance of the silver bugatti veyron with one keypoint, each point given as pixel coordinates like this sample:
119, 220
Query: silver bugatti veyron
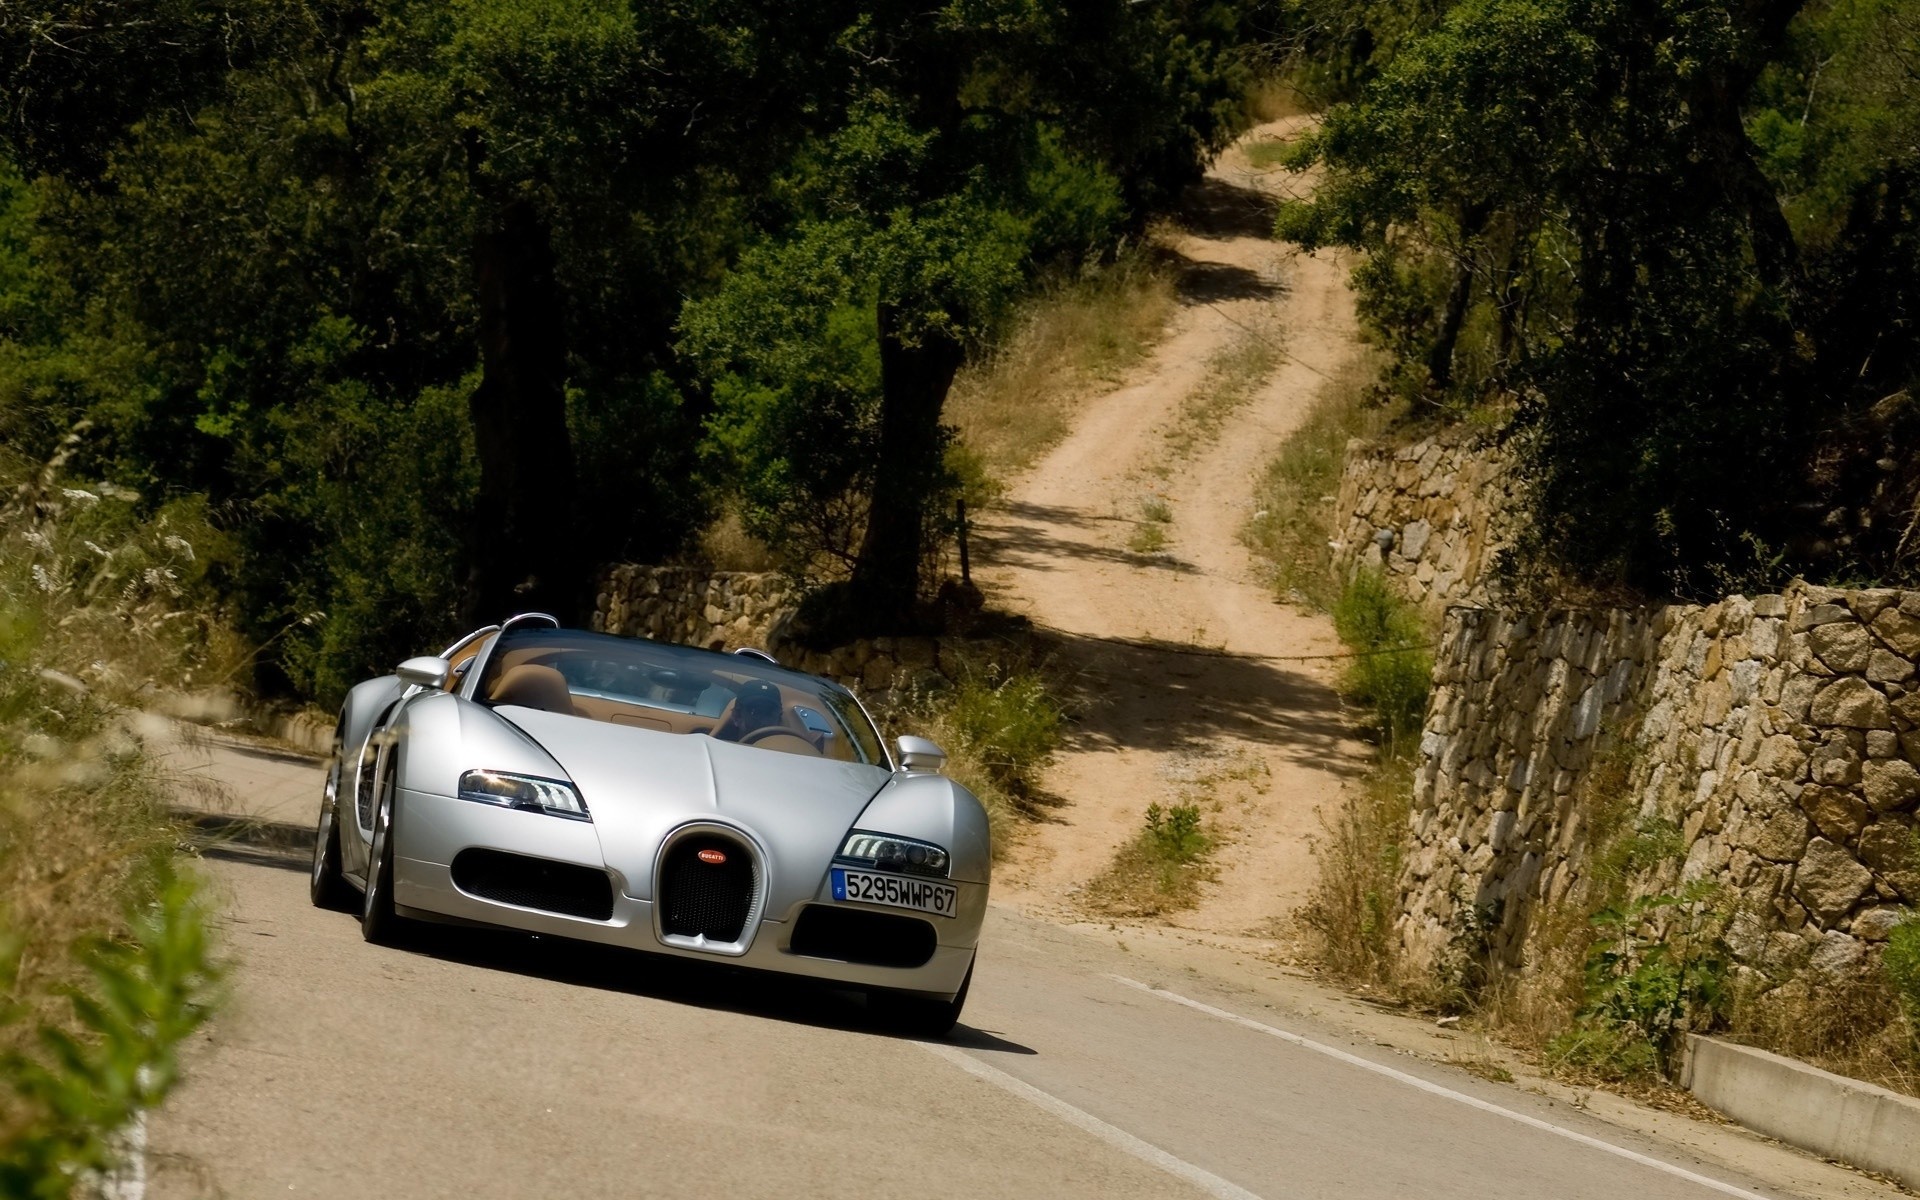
669, 799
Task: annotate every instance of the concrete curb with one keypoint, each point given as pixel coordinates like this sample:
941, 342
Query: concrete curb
1833, 1116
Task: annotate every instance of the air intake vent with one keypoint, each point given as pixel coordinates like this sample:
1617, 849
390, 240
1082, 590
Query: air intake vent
540, 883
708, 886
855, 936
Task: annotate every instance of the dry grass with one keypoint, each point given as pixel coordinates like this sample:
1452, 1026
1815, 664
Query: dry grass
1165, 865
1149, 534
1276, 96
1073, 339
94, 612
1350, 909
725, 545
1852, 1025
101, 940
1160, 870
1294, 501
1234, 373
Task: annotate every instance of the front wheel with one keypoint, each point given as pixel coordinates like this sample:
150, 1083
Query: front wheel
325, 886
379, 923
917, 1016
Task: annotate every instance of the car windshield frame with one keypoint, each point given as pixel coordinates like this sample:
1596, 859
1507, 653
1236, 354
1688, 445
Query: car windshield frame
675, 688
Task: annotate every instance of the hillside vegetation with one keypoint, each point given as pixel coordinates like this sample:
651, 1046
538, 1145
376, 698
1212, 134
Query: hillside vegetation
1684, 236
436, 308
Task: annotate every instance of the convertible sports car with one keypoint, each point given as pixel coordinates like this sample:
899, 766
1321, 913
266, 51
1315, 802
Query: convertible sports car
668, 799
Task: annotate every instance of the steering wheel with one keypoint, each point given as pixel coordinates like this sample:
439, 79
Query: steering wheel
764, 732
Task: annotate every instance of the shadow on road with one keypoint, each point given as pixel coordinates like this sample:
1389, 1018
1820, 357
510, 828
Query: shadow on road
1152, 694
1214, 208
658, 976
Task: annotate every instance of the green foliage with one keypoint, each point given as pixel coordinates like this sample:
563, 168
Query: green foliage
1664, 228
1657, 970
1392, 665
147, 993
1900, 961
1161, 868
1175, 834
1008, 720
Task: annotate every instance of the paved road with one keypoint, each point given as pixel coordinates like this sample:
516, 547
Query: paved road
474, 1065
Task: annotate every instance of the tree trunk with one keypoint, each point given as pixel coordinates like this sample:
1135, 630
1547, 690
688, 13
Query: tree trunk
1440, 359
525, 554
914, 380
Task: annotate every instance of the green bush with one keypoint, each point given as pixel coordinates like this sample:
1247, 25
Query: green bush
1901, 963
66, 1102
1645, 986
1011, 724
1175, 833
1392, 665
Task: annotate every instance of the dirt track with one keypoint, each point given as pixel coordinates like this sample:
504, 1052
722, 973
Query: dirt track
1186, 648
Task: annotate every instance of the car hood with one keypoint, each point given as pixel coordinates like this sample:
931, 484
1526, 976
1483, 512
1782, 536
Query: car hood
639, 784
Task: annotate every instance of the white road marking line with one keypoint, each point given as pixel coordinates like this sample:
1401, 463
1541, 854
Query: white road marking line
1367, 1064
1113, 1135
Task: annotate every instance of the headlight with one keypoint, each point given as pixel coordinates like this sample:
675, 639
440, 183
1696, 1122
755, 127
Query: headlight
527, 792
888, 853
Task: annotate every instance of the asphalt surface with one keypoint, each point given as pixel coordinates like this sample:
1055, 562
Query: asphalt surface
471, 1064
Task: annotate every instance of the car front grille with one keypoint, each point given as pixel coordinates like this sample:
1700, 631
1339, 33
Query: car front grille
527, 882
856, 936
707, 899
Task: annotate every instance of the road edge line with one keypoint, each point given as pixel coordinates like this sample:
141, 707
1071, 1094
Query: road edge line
1113, 1135
1436, 1089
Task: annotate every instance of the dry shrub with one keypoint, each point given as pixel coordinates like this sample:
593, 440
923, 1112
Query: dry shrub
725, 545
1076, 336
1850, 1024
1352, 905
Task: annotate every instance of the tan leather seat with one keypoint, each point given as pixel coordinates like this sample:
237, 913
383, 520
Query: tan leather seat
530, 685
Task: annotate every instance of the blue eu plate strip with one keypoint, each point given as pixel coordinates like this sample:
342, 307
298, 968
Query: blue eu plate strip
839, 878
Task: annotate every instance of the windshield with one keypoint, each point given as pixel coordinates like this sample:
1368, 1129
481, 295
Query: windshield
677, 689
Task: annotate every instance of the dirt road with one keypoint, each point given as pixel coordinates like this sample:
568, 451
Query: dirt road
1186, 649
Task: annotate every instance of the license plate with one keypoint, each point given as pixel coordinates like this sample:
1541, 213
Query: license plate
899, 891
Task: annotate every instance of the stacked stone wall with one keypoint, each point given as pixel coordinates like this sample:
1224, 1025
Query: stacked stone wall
695, 607
1774, 740
1432, 515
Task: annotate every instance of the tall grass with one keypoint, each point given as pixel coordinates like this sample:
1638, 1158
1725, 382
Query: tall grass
1294, 500
1076, 336
1391, 668
104, 964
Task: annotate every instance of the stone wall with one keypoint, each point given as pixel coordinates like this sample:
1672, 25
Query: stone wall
1772, 741
695, 607
1429, 514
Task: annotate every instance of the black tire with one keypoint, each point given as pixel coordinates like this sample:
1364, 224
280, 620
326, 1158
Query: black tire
918, 1016
325, 885
379, 923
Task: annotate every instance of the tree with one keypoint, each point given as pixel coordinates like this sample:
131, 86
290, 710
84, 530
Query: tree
1565, 201
952, 153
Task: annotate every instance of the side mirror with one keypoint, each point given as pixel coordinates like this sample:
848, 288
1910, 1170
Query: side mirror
425, 671
917, 754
